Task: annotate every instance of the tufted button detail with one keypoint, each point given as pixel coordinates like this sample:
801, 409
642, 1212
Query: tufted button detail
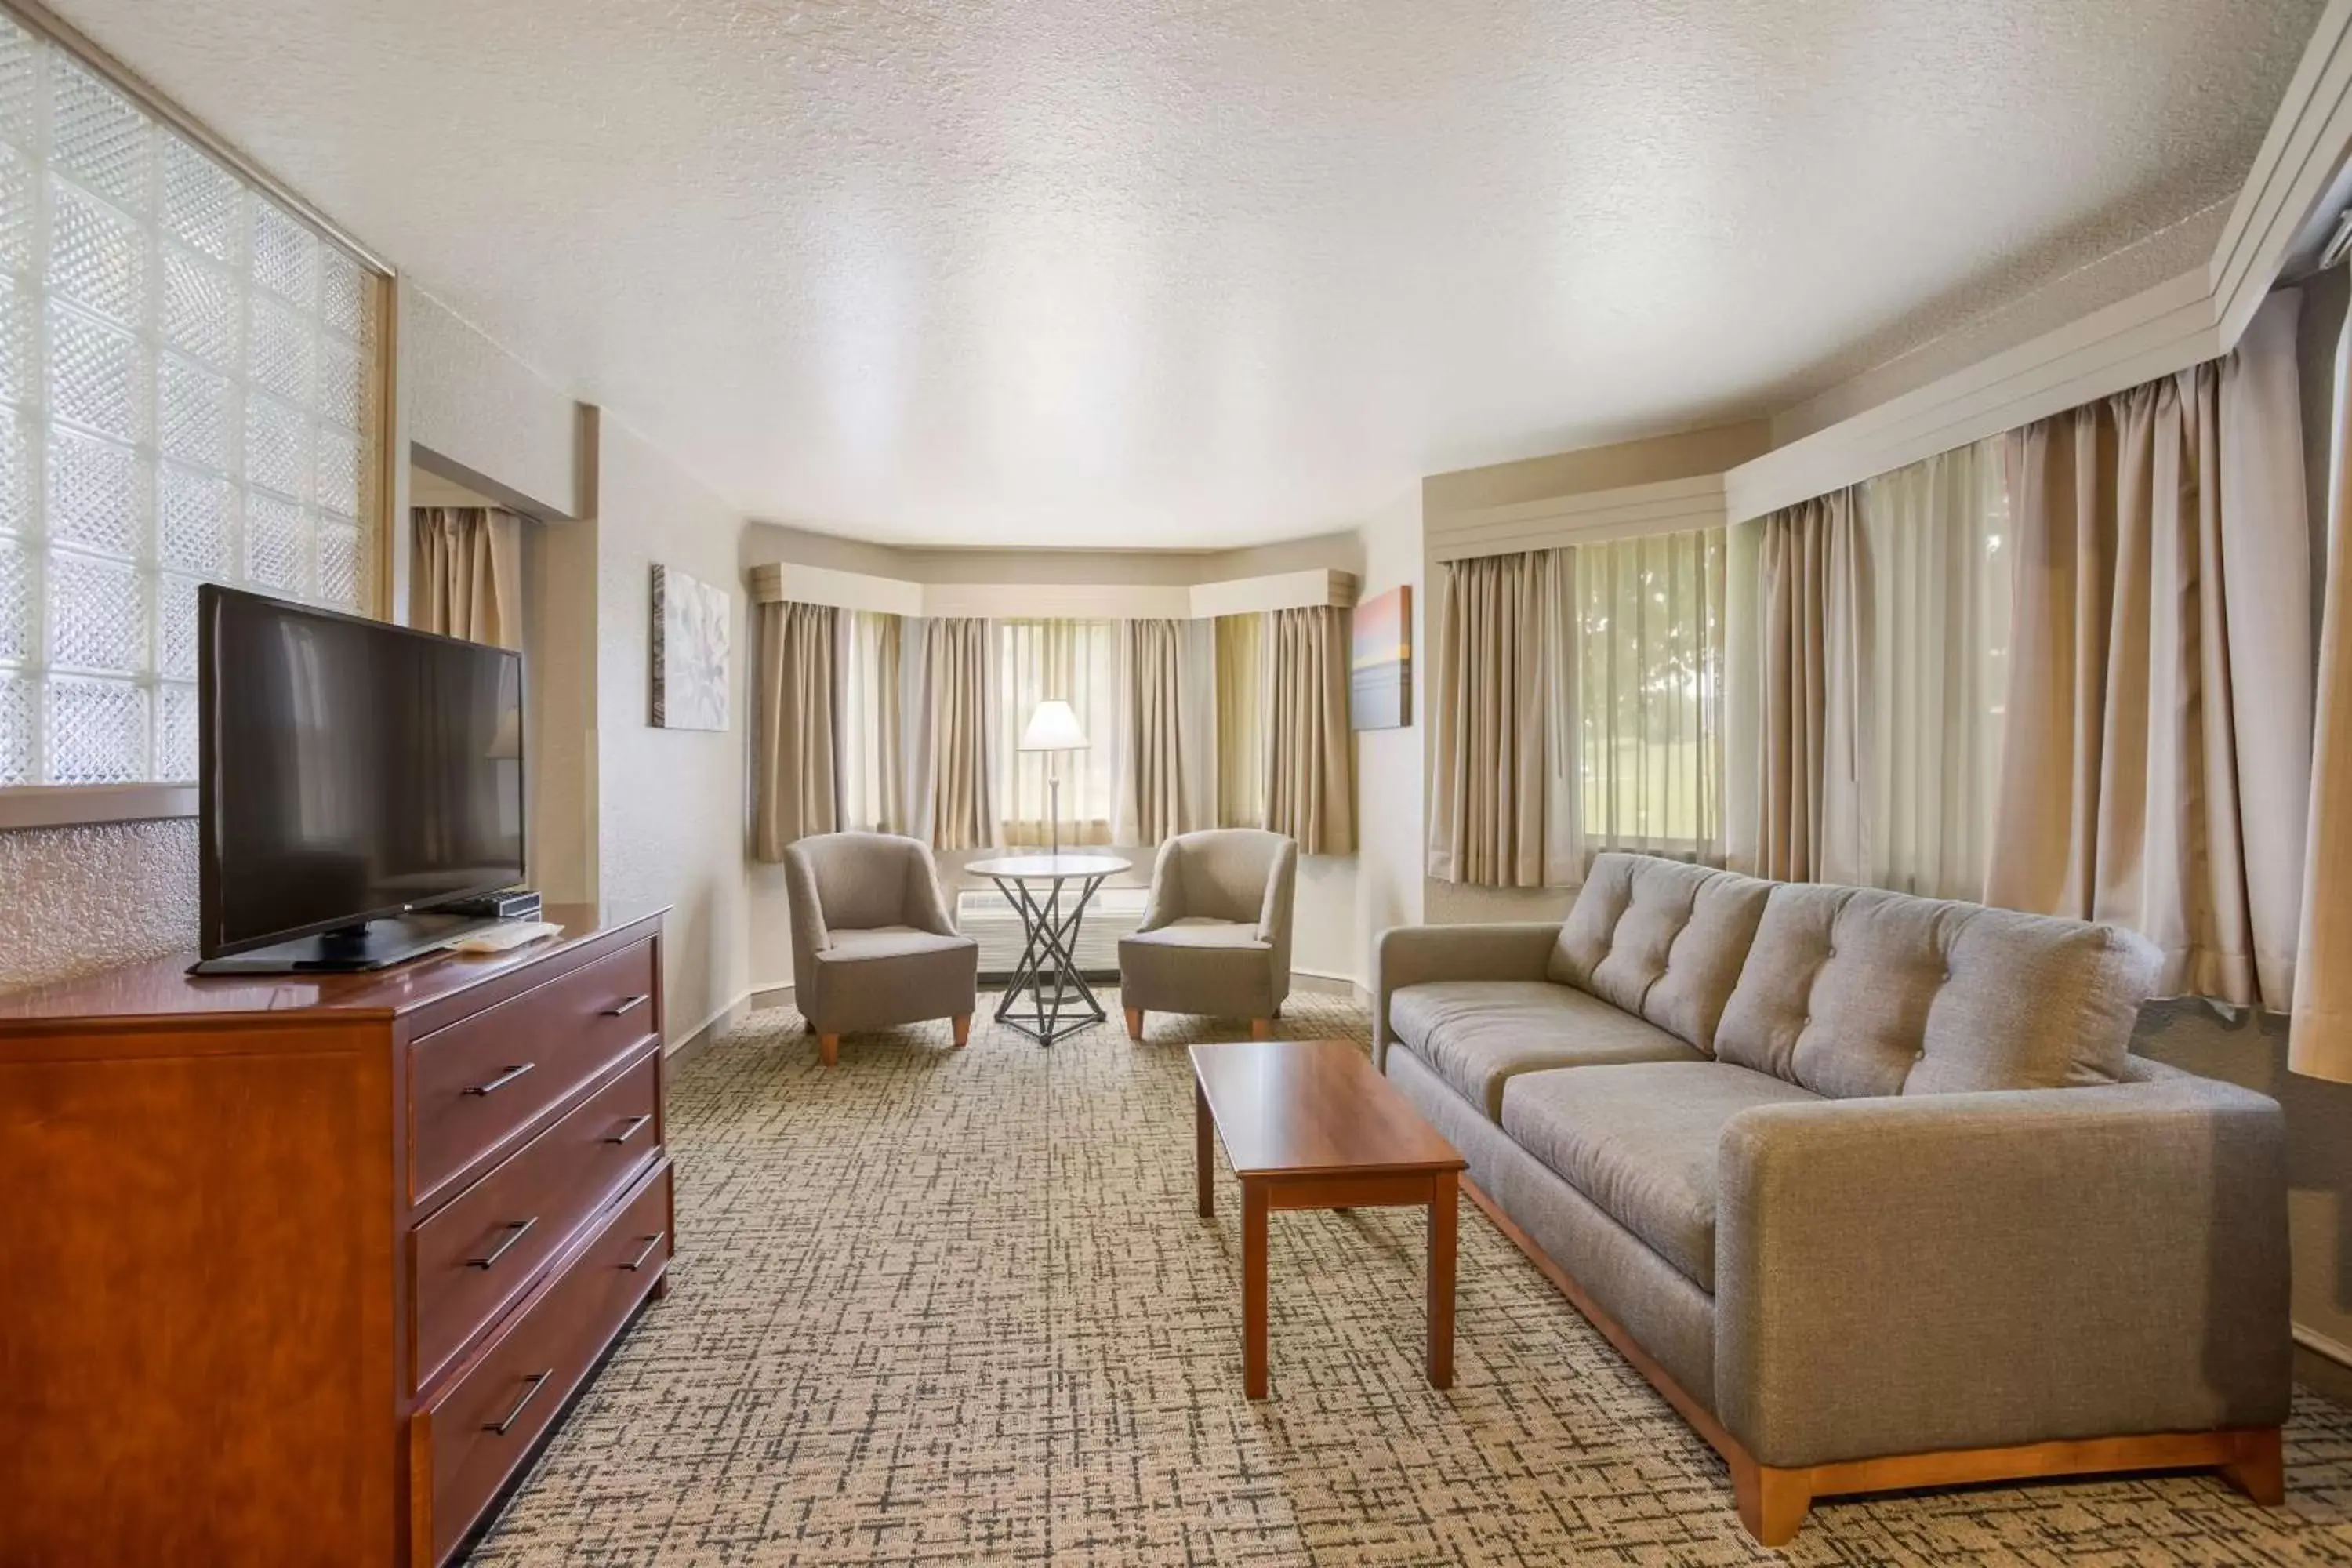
1832, 952
1948, 978
1920, 1055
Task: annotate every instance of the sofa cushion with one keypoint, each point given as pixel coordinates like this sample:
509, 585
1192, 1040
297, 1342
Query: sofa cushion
1476, 1034
1852, 991
1639, 1141
1659, 938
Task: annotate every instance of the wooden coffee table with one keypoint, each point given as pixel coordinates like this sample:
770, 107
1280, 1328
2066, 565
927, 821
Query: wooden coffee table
1311, 1124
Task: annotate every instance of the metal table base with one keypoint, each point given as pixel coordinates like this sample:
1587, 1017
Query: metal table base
1049, 999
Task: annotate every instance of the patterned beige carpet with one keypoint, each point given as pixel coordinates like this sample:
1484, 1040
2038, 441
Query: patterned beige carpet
949, 1307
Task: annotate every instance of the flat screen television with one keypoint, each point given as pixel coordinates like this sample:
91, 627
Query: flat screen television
353, 777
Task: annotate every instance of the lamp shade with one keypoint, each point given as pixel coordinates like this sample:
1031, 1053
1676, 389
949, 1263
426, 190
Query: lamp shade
1053, 727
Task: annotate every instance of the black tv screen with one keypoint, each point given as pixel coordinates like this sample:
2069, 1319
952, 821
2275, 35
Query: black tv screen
350, 770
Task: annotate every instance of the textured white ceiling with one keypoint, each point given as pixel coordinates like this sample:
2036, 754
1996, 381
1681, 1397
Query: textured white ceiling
1108, 272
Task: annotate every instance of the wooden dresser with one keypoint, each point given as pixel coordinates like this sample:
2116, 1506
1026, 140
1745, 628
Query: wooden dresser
301, 1270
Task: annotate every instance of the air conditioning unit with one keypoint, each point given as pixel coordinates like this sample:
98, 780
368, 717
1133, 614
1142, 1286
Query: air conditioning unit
989, 918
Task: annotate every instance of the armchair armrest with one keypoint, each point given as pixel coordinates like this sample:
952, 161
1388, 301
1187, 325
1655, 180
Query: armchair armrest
927, 904
1274, 912
1906, 1275
810, 928
1163, 904
1413, 955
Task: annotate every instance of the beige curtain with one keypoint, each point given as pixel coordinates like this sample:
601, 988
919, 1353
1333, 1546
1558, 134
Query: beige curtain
1154, 791
465, 573
1500, 816
1808, 557
1243, 694
871, 747
1310, 782
2320, 1039
958, 787
796, 759
2156, 770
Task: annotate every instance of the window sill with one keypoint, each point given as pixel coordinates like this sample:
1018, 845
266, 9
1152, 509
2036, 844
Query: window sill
74, 805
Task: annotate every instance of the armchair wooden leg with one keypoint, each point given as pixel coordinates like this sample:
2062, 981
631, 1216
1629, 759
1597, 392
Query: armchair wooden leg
1135, 1023
963, 1022
828, 1047
1261, 1028
2260, 1468
1772, 1502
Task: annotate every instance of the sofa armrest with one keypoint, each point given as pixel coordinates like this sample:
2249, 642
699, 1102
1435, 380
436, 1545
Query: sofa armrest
1898, 1276
1414, 955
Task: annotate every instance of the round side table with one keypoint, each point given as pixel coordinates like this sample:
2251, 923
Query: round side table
1060, 1001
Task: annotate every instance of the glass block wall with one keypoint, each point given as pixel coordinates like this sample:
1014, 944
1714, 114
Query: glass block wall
188, 389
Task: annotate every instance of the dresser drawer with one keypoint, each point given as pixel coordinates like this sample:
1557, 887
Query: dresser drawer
477, 1086
470, 1438
485, 1246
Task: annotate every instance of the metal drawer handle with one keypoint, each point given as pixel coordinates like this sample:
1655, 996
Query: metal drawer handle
500, 1081
627, 1005
652, 1245
538, 1381
516, 1231
630, 1129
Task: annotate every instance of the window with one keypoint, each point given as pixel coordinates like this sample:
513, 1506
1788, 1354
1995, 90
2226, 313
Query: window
1077, 661
1934, 652
873, 771
188, 379
1648, 731
1579, 705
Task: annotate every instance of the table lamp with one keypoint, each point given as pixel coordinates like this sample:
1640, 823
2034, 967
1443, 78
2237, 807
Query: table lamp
1054, 729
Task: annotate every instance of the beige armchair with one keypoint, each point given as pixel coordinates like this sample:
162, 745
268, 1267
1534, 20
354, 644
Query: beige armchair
872, 943
1215, 937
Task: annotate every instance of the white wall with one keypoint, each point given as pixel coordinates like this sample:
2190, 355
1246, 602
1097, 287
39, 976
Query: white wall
1323, 915
476, 407
671, 812
74, 900
1390, 763
626, 817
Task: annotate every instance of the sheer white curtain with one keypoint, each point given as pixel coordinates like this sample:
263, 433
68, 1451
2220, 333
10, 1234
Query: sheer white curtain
1646, 733
1077, 661
1930, 639
872, 740
1911, 657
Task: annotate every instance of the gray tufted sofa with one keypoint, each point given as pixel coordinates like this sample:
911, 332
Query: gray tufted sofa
1868, 1185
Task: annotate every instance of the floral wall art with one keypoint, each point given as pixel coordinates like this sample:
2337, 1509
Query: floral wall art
692, 621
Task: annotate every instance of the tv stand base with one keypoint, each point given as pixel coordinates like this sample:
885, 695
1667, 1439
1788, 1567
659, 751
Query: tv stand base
378, 944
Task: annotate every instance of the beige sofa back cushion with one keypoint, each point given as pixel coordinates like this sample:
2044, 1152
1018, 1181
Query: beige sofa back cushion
1660, 939
1850, 992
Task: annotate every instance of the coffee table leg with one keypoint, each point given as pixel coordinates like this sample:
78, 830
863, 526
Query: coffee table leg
1442, 1190
1204, 1153
1254, 1209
